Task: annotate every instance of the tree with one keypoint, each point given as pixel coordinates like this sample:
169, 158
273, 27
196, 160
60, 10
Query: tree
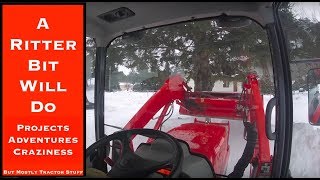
303, 37
90, 57
200, 50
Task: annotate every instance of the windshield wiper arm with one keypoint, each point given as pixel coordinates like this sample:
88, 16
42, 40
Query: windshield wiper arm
114, 126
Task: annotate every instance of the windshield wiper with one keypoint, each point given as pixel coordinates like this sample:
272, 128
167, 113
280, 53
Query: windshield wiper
117, 127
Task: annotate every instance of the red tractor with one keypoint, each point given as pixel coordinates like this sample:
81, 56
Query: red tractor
198, 149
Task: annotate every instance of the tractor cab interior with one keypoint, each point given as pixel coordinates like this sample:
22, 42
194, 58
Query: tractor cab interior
174, 84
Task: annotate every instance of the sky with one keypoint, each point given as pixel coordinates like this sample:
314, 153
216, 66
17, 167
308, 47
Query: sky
308, 10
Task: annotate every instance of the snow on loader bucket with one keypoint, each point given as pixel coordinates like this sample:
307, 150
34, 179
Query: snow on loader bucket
211, 139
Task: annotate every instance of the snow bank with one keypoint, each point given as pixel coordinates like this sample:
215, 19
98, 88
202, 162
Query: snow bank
305, 152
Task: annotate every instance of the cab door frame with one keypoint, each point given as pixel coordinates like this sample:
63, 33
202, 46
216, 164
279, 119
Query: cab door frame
283, 95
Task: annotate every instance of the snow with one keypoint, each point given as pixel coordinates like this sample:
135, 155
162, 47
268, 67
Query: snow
305, 160
90, 82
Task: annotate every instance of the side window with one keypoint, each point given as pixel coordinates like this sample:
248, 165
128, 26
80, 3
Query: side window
301, 25
90, 78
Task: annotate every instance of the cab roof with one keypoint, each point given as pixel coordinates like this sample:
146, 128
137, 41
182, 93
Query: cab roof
108, 20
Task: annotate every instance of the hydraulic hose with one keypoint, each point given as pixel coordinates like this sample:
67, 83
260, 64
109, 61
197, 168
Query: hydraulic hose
246, 157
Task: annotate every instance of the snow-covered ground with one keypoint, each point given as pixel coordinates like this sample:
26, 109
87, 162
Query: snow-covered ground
305, 160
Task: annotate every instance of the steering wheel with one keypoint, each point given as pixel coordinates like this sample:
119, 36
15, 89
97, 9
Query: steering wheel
130, 164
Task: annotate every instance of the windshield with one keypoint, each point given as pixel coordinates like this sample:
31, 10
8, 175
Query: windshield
208, 57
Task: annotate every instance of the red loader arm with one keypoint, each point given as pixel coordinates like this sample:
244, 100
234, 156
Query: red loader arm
173, 89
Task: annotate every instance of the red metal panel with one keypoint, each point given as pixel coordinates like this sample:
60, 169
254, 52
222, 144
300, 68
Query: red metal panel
210, 140
213, 107
212, 104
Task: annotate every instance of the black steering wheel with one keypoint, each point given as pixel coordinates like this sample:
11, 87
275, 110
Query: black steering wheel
130, 164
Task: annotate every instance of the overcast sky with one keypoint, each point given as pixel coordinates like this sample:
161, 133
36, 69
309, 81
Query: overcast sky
310, 10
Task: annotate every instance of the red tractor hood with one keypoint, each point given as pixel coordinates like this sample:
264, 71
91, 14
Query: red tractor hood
210, 140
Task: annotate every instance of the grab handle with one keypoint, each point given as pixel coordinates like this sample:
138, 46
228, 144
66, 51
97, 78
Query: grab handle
270, 135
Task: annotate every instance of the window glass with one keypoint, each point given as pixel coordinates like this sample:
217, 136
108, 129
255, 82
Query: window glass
208, 57
300, 22
90, 78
